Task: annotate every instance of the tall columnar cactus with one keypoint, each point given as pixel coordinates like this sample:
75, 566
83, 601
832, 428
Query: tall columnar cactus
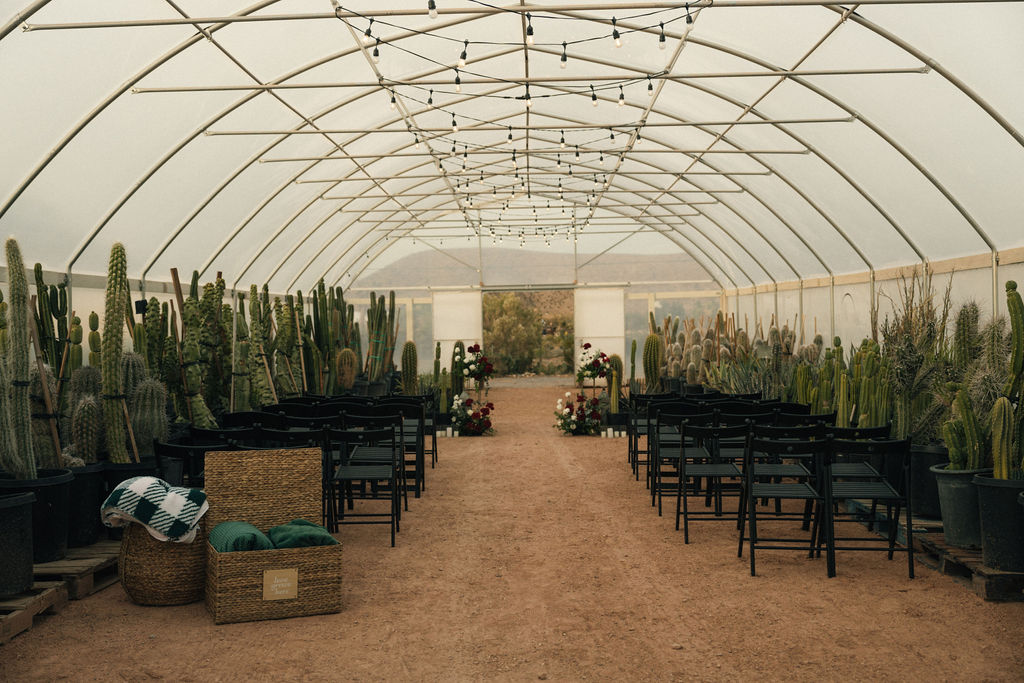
154, 323
1016, 370
348, 365
3, 327
85, 381
844, 405
113, 324
21, 461
1001, 422
652, 361
437, 362
95, 342
86, 428
632, 360
75, 336
692, 378
241, 360
410, 376
260, 390
614, 387
615, 363
201, 415
148, 409
976, 438
458, 363
47, 456
966, 339
44, 320
444, 392
133, 371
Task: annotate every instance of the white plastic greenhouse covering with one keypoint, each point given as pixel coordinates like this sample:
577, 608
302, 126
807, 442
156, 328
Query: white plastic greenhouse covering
774, 157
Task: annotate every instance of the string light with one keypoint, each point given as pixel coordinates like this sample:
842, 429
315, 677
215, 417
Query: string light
455, 126
529, 29
432, 9
558, 159
376, 52
394, 104
562, 141
615, 34
510, 133
458, 82
430, 98
368, 36
462, 56
529, 101
564, 60
661, 36
622, 97
650, 87
417, 138
577, 152
593, 96
515, 162
689, 19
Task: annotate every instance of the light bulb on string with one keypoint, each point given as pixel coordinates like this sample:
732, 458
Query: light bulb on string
689, 19
529, 100
577, 152
368, 35
430, 98
611, 135
558, 159
432, 9
615, 34
593, 96
561, 142
564, 59
376, 52
458, 82
417, 138
650, 87
462, 55
661, 36
600, 158
529, 29
394, 103
455, 125
510, 133
622, 97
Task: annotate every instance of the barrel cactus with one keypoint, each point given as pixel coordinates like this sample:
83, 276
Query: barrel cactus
348, 364
86, 428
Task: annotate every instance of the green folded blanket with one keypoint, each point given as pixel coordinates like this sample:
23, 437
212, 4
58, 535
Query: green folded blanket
300, 534
232, 536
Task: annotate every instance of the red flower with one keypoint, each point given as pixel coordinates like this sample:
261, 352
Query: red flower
490, 406
485, 411
601, 374
594, 415
475, 415
596, 363
469, 402
487, 424
586, 345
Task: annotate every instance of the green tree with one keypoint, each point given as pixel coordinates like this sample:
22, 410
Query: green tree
512, 332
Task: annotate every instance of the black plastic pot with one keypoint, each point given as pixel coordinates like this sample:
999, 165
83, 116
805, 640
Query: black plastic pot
958, 501
49, 511
377, 388
922, 480
16, 540
671, 385
1002, 523
88, 489
115, 473
619, 419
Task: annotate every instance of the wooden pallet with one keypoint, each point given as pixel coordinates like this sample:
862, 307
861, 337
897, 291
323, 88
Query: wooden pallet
18, 612
85, 570
965, 566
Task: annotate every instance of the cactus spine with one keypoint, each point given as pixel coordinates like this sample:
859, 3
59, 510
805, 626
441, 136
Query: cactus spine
410, 378
652, 360
20, 458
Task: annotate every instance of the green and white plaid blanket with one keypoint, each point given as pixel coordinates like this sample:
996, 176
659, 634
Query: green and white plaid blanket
169, 513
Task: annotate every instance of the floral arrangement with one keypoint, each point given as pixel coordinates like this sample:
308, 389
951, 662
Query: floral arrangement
471, 418
476, 366
582, 416
593, 364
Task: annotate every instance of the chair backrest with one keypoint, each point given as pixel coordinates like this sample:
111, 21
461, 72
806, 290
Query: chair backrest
344, 440
673, 405
292, 409
855, 433
673, 418
373, 420
801, 432
782, 448
791, 408
253, 418
310, 423
797, 419
894, 455
746, 418
200, 435
715, 432
753, 396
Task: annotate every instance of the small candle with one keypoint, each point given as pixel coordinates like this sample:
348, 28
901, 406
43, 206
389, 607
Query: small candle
604, 434
455, 433
448, 431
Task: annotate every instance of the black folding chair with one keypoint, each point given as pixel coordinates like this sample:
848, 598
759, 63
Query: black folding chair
665, 441
345, 456
894, 495
699, 458
805, 487
377, 456
636, 428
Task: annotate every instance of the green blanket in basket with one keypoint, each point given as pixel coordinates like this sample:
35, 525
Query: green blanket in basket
300, 534
232, 536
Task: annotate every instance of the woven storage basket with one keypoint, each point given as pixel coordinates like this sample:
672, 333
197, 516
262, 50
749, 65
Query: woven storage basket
266, 489
162, 572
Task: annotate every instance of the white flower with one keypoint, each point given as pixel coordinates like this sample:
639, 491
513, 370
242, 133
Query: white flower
568, 394
566, 411
465, 371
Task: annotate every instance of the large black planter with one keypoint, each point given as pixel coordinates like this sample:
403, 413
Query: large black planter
115, 473
16, 541
88, 490
922, 480
49, 512
377, 388
958, 501
619, 419
1002, 523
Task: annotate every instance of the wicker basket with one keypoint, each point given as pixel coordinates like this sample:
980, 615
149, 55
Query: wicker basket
162, 572
268, 488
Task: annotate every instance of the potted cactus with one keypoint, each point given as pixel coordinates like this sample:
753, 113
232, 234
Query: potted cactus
49, 485
1002, 519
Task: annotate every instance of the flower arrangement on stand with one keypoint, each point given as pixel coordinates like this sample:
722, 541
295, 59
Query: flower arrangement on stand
477, 367
594, 364
582, 416
471, 417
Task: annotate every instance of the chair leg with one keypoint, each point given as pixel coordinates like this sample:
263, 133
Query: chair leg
686, 511
742, 526
753, 533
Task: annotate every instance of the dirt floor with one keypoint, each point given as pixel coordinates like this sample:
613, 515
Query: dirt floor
537, 556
